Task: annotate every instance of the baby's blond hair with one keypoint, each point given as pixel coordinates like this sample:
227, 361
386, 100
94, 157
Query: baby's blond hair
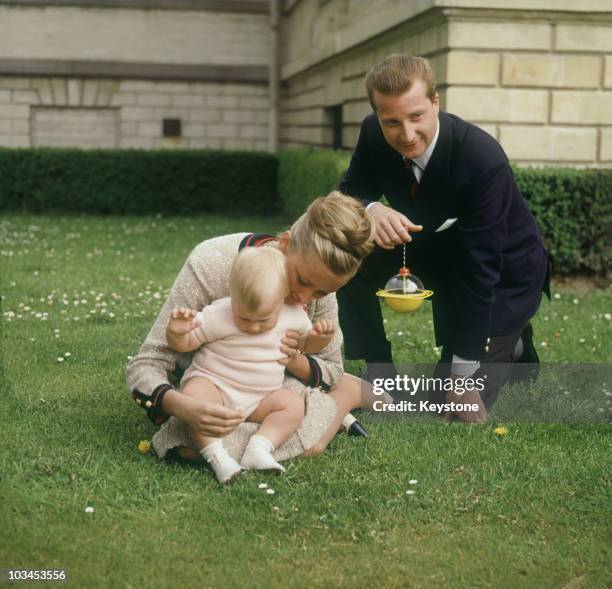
258, 276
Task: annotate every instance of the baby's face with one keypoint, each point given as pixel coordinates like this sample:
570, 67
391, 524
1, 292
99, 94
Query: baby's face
262, 320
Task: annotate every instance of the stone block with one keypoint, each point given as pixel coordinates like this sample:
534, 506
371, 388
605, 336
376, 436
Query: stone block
149, 130
204, 115
136, 142
215, 101
106, 90
253, 132
45, 93
583, 37
5, 97
123, 99
606, 144
20, 127
75, 91
241, 144
582, 108
188, 100
172, 87
90, 91
545, 69
193, 130
138, 113
608, 71
25, 97
14, 83
221, 131
5, 126
59, 90
206, 143
522, 142
14, 111
471, 67
128, 128
499, 35
255, 102
355, 112
498, 105
138, 86
153, 99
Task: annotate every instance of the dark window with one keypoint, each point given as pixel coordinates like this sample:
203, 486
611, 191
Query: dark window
172, 127
334, 120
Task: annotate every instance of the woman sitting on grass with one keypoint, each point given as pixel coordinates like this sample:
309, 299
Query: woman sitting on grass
238, 363
323, 250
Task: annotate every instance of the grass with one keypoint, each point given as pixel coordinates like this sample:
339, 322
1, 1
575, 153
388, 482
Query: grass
529, 509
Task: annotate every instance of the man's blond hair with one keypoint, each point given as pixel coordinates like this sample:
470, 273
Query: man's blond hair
395, 75
258, 276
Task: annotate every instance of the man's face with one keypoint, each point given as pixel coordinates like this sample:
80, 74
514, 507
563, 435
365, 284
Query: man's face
408, 121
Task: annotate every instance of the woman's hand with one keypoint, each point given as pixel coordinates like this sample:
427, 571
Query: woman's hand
204, 417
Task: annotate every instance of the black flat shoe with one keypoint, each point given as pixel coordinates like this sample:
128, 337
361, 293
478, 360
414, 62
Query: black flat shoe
357, 430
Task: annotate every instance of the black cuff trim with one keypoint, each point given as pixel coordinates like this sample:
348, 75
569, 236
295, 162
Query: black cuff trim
152, 403
316, 380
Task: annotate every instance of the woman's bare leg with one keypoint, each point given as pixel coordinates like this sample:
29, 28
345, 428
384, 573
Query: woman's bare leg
349, 393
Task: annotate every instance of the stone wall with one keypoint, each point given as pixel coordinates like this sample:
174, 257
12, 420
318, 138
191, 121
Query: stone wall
108, 76
539, 79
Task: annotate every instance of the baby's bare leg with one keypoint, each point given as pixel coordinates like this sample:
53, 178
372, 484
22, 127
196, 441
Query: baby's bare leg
280, 414
211, 449
200, 387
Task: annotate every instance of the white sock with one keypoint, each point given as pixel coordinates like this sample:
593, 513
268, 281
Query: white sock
348, 421
225, 467
258, 455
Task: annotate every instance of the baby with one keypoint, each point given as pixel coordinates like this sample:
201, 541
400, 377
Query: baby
238, 362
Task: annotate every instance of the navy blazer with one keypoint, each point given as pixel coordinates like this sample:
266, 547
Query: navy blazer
488, 269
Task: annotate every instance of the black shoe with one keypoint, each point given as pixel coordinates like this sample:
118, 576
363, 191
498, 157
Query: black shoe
357, 430
526, 364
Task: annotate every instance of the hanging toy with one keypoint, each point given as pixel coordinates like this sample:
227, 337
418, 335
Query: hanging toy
404, 292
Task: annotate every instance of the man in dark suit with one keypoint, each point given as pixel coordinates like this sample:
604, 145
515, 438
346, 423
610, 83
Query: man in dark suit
470, 235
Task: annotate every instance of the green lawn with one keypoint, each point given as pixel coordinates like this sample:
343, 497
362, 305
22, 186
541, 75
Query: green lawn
529, 509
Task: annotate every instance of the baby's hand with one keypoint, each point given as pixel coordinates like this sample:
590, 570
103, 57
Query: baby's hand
320, 335
182, 321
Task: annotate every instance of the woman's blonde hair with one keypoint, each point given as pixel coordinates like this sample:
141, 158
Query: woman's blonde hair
258, 276
336, 229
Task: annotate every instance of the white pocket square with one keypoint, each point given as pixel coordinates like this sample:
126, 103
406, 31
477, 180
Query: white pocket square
446, 225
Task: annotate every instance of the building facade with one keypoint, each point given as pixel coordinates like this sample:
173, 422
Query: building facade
259, 74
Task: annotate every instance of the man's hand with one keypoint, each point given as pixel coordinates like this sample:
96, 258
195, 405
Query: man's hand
319, 336
182, 321
470, 396
392, 228
206, 418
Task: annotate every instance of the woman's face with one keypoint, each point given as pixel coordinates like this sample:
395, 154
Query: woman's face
309, 278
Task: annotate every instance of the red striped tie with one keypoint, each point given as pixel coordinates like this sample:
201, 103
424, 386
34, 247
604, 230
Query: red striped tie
413, 183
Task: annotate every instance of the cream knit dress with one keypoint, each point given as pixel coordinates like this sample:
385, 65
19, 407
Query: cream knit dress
202, 280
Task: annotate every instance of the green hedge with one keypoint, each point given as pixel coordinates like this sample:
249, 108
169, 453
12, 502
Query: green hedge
573, 208
138, 181
305, 174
